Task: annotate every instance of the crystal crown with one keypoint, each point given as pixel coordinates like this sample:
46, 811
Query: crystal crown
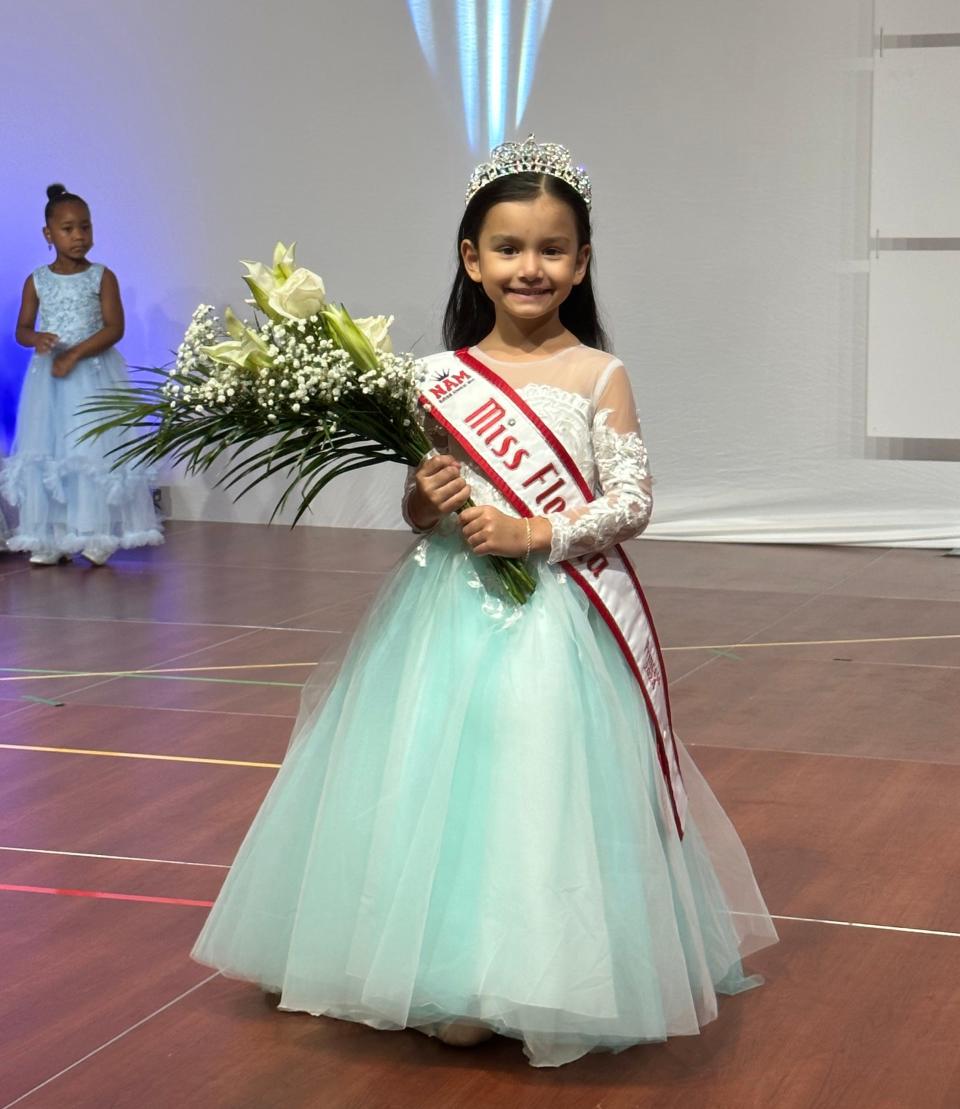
530, 156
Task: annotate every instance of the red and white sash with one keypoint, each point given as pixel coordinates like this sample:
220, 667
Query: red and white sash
524, 460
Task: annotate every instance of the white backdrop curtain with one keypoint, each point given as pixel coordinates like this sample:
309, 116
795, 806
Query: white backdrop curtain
729, 148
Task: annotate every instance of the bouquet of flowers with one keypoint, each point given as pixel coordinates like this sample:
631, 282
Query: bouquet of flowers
308, 392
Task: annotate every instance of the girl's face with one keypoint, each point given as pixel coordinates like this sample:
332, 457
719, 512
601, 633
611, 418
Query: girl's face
527, 258
70, 231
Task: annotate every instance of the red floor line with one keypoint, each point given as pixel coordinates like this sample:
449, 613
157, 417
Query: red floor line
106, 896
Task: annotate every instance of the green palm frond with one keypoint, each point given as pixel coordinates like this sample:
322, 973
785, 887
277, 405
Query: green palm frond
260, 419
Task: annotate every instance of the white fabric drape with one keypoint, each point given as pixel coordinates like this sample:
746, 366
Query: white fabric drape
729, 146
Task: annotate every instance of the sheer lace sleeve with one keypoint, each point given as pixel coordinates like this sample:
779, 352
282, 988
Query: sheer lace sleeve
409, 488
440, 443
622, 508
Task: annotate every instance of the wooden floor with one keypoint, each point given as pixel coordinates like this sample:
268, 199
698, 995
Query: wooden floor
817, 688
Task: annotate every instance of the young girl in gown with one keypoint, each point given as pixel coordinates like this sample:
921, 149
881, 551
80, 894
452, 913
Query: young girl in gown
467, 835
69, 496
4, 526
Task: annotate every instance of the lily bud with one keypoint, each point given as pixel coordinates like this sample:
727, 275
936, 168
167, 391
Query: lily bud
234, 326
261, 298
283, 261
345, 333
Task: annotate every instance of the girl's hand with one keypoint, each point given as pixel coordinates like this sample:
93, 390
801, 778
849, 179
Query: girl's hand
64, 364
439, 484
490, 532
45, 342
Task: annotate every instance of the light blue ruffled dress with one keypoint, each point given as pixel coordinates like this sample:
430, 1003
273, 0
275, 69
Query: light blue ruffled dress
4, 526
68, 495
467, 823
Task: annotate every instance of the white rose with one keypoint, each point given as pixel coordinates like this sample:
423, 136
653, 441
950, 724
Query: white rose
377, 330
300, 296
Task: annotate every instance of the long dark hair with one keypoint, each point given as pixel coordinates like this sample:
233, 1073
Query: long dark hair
470, 315
57, 194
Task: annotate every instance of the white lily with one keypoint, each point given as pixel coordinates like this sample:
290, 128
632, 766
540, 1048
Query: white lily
244, 349
377, 330
343, 330
261, 282
284, 290
284, 261
234, 326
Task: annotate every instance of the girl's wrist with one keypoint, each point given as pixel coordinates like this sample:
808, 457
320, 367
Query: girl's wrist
541, 533
421, 512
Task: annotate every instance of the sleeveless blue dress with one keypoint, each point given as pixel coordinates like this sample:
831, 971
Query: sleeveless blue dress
4, 526
467, 823
68, 495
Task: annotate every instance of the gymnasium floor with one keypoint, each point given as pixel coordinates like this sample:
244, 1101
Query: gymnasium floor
816, 687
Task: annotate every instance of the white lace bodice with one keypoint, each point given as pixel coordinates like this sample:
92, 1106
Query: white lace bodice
584, 397
70, 303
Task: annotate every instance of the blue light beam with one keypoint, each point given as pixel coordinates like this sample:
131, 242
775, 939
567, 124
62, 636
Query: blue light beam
534, 24
468, 50
421, 12
493, 44
498, 54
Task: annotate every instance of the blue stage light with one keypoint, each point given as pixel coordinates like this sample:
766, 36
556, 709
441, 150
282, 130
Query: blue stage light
496, 49
468, 51
421, 13
498, 54
534, 24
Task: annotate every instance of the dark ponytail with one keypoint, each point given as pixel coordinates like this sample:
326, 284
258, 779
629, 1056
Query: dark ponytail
57, 194
469, 315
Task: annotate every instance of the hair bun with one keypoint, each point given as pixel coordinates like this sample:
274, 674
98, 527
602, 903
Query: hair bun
55, 190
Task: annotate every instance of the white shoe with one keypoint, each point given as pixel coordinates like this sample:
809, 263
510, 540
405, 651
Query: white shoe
464, 1033
44, 558
96, 555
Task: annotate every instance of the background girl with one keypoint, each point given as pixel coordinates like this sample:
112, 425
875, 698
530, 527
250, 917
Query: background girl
69, 497
468, 834
4, 526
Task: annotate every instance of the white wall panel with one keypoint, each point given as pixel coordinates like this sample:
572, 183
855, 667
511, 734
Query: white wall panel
918, 17
916, 144
914, 383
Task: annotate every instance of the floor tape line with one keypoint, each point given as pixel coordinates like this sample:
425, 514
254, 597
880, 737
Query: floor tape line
107, 896
137, 755
22, 674
126, 1032
161, 675
103, 895
111, 858
860, 924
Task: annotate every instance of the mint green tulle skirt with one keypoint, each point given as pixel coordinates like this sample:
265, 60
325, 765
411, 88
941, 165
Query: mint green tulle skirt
467, 825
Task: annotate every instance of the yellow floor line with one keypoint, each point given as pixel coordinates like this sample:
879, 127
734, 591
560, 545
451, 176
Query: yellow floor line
136, 755
815, 642
294, 665
136, 673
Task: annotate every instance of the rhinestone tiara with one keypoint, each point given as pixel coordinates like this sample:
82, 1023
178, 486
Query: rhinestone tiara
530, 156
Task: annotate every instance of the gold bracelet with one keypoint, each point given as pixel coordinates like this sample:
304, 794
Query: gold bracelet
526, 520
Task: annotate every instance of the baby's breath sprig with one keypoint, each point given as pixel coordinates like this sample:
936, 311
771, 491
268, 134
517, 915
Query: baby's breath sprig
305, 391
